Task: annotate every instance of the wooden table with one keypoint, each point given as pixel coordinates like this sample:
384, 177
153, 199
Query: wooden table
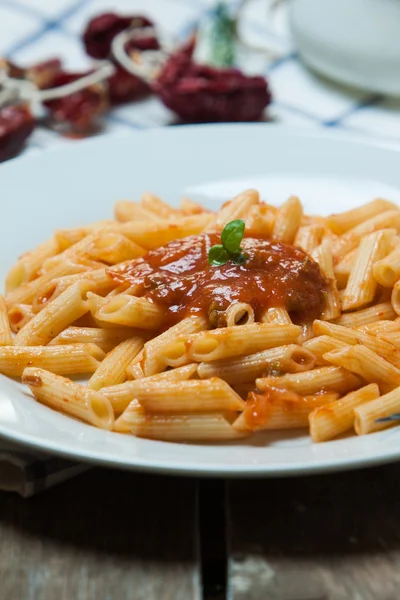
110, 535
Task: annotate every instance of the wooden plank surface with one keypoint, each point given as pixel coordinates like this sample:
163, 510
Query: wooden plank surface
331, 537
101, 536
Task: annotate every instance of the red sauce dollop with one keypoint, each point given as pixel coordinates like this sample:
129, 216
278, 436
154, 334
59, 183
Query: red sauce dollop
179, 277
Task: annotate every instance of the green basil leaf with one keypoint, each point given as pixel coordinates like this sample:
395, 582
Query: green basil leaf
239, 258
232, 235
217, 256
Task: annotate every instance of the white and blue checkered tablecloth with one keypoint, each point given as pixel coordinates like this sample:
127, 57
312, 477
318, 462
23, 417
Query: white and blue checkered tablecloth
32, 30
35, 30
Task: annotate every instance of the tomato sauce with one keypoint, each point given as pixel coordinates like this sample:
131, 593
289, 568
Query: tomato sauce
259, 405
178, 277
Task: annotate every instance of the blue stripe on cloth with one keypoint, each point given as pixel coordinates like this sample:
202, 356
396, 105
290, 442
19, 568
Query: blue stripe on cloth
297, 111
45, 27
281, 61
371, 100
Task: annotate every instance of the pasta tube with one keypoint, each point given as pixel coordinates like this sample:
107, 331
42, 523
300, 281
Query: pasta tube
229, 342
69, 397
334, 379
288, 359
61, 360
5, 329
113, 368
191, 396
331, 420
55, 317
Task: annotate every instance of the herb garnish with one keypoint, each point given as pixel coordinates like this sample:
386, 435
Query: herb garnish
230, 249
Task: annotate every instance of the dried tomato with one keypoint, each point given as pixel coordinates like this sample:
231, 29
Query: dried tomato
101, 31
198, 93
124, 87
81, 109
16, 125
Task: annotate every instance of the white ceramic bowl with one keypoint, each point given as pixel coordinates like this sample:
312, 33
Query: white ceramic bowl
79, 184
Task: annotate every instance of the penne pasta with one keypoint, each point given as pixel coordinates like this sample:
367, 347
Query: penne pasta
308, 237
279, 316
351, 239
25, 293
307, 333
113, 368
367, 415
68, 237
123, 394
380, 328
387, 269
393, 337
337, 417
285, 359
153, 234
125, 210
279, 409
364, 316
212, 427
366, 363
156, 206
362, 285
229, 342
288, 220
5, 329
322, 344
260, 220
113, 248
342, 222
135, 369
190, 396
323, 255
236, 208
61, 360
354, 336
342, 268
130, 311
239, 313
106, 339
395, 299
28, 265
94, 280
69, 397
19, 315
193, 340
188, 207
334, 379
55, 317
154, 360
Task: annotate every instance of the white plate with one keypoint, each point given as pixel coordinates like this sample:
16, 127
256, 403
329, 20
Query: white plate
68, 187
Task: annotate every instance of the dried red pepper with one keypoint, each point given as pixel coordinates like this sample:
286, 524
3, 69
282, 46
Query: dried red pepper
198, 93
101, 31
16, 125
79, 110
124, 87
98, 37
